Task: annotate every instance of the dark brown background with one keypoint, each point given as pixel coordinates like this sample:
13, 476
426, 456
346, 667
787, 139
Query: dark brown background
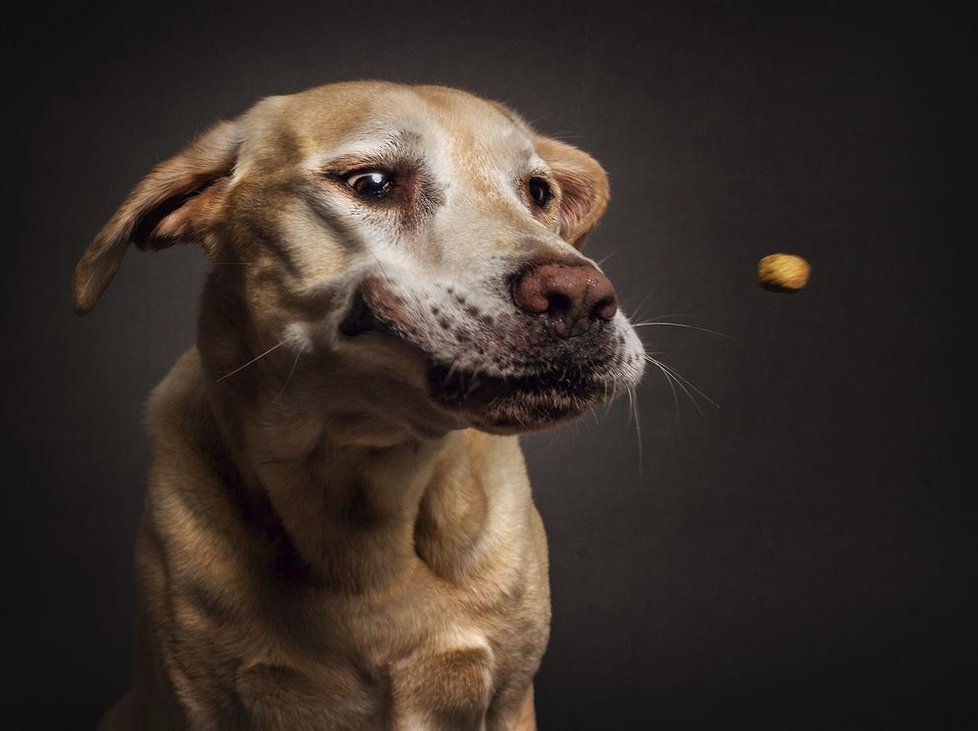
797, 558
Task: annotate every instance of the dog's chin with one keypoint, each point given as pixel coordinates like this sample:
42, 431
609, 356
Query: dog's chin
511, 405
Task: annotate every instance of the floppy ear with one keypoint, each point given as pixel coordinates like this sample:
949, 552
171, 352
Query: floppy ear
583, 184
175, 202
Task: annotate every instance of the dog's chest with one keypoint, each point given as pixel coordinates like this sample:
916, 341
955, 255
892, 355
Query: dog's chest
348, 608
417, 659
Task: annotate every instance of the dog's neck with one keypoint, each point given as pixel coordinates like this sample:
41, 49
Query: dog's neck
361, 518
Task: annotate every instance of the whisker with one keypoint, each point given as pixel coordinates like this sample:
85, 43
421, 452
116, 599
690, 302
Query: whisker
289, 377
669, 379
633, 402
475, 383
451, 372
257, 358
380, 265
600, 262
671, 314
550, 442
641, 304
682, 378
669, 374
653, 323
683, 383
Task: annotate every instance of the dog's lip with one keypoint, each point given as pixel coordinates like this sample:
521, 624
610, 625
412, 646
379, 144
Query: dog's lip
454, 385
519, 403
360, 317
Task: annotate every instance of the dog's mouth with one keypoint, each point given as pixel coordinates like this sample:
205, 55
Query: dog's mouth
360, 318
508, 403
558, 386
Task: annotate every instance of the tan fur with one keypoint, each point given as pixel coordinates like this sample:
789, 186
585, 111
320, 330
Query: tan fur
325, 544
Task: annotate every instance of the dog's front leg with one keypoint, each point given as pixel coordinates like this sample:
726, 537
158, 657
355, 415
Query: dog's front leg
525, 718
448, 690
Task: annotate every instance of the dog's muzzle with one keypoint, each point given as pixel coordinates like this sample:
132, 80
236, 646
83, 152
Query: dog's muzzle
551, 355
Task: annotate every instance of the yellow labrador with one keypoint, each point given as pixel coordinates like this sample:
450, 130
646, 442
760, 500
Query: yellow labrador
339, 532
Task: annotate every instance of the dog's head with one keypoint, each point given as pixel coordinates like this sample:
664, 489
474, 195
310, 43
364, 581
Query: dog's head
408, 253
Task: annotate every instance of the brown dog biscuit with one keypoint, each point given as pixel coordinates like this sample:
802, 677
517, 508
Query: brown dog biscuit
783, 272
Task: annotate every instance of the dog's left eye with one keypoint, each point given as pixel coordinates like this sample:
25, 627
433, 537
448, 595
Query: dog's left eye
370, 183
540, 191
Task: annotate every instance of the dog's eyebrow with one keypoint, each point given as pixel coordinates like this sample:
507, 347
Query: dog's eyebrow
370, 143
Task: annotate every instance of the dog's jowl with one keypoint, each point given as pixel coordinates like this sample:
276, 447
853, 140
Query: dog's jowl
339, 532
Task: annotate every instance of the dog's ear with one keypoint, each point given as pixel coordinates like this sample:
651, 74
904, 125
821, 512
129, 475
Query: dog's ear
175, 202
583, 185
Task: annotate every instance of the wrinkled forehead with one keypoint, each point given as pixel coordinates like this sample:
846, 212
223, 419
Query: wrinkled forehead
351, 120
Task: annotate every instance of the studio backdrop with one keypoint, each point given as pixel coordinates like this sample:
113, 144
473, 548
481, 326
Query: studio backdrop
771, 535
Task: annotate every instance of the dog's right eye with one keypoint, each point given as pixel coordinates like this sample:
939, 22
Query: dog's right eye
540, 192
370, 183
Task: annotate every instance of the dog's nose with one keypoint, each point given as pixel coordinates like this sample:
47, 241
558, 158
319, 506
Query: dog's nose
573, 295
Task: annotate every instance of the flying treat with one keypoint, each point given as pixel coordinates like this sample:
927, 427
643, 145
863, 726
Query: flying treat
783, 272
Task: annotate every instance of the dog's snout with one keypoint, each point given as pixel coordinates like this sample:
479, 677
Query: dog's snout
573, 295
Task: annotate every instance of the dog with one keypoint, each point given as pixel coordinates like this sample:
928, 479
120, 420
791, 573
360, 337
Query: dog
339, 531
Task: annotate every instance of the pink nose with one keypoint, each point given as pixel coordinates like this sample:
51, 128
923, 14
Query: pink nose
572, 295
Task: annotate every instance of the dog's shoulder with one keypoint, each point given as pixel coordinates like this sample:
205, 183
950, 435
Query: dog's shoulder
192, 469
180, 396
181, 417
